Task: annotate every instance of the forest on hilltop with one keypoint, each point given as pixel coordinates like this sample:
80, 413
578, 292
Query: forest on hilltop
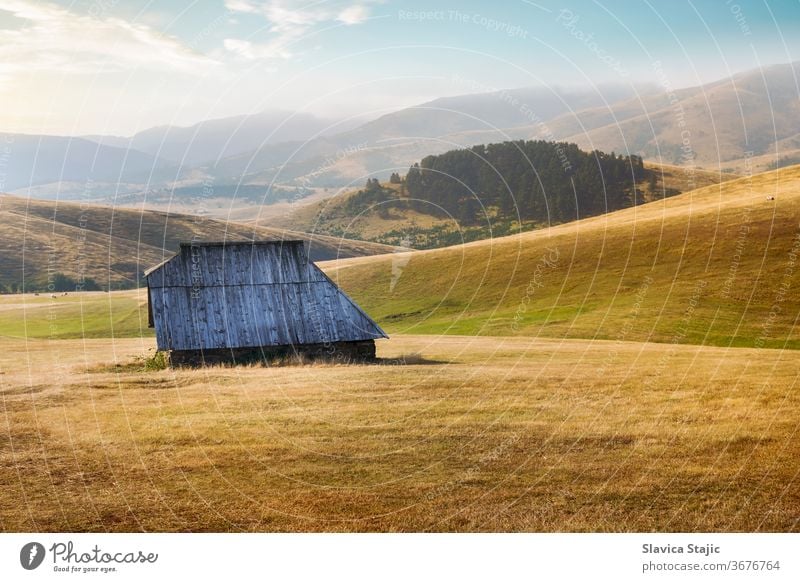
530, 180
537, 181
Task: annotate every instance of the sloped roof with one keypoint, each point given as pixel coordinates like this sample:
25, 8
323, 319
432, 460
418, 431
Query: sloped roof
250, 294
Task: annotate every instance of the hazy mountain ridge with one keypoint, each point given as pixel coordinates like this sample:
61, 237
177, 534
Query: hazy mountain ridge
398, 139
746, 122
720, 124
220, 138
730, 122
33, 160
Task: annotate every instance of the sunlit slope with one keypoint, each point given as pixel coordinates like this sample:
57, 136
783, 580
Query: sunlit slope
77, 315
715, 265
114, 245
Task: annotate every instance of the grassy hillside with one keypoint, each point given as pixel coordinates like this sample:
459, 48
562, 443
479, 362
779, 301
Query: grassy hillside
716, 266
394, 222
77, 315
753, 113
749, 120
711, 266
114, 245
671, 180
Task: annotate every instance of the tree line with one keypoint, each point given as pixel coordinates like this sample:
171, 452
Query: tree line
57, 284
525, 180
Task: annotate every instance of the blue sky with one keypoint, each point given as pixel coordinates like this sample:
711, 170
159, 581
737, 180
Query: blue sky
111, 66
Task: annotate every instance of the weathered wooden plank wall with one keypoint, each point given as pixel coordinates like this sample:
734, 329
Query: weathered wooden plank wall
211, 296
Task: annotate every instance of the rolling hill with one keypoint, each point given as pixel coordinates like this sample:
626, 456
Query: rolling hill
717, 265
39, 239
722, 124
392, 221
744, 122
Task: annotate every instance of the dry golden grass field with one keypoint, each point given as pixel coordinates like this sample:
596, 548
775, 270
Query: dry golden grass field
629, 372
448, 433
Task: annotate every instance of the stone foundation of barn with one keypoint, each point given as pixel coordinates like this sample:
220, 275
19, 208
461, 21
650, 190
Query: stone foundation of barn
334, 352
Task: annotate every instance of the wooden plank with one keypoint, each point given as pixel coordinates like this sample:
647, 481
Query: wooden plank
210, 297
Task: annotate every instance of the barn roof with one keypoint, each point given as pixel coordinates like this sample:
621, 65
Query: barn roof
250, 294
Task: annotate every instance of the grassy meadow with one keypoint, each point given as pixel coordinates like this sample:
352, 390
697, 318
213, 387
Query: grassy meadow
77, 315
468, 434
714, 266
624, 373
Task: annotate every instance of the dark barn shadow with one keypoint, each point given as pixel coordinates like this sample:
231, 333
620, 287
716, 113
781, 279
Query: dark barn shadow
414, 359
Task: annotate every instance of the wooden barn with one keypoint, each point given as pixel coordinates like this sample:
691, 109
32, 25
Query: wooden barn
240, 301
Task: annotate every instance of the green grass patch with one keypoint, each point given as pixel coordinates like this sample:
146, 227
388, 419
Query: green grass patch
77, 315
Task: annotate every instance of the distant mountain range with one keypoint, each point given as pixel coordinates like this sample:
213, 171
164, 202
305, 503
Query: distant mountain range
34, 160
230, 136
396, 140
748, 121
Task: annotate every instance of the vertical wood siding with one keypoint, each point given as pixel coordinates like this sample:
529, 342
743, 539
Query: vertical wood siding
238, 295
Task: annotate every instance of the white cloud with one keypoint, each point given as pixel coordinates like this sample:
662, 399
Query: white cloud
251, 51
52, 38
353, 15
241, 6
290, 21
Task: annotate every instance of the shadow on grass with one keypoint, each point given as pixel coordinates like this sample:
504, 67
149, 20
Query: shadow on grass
415, 359
141, 364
